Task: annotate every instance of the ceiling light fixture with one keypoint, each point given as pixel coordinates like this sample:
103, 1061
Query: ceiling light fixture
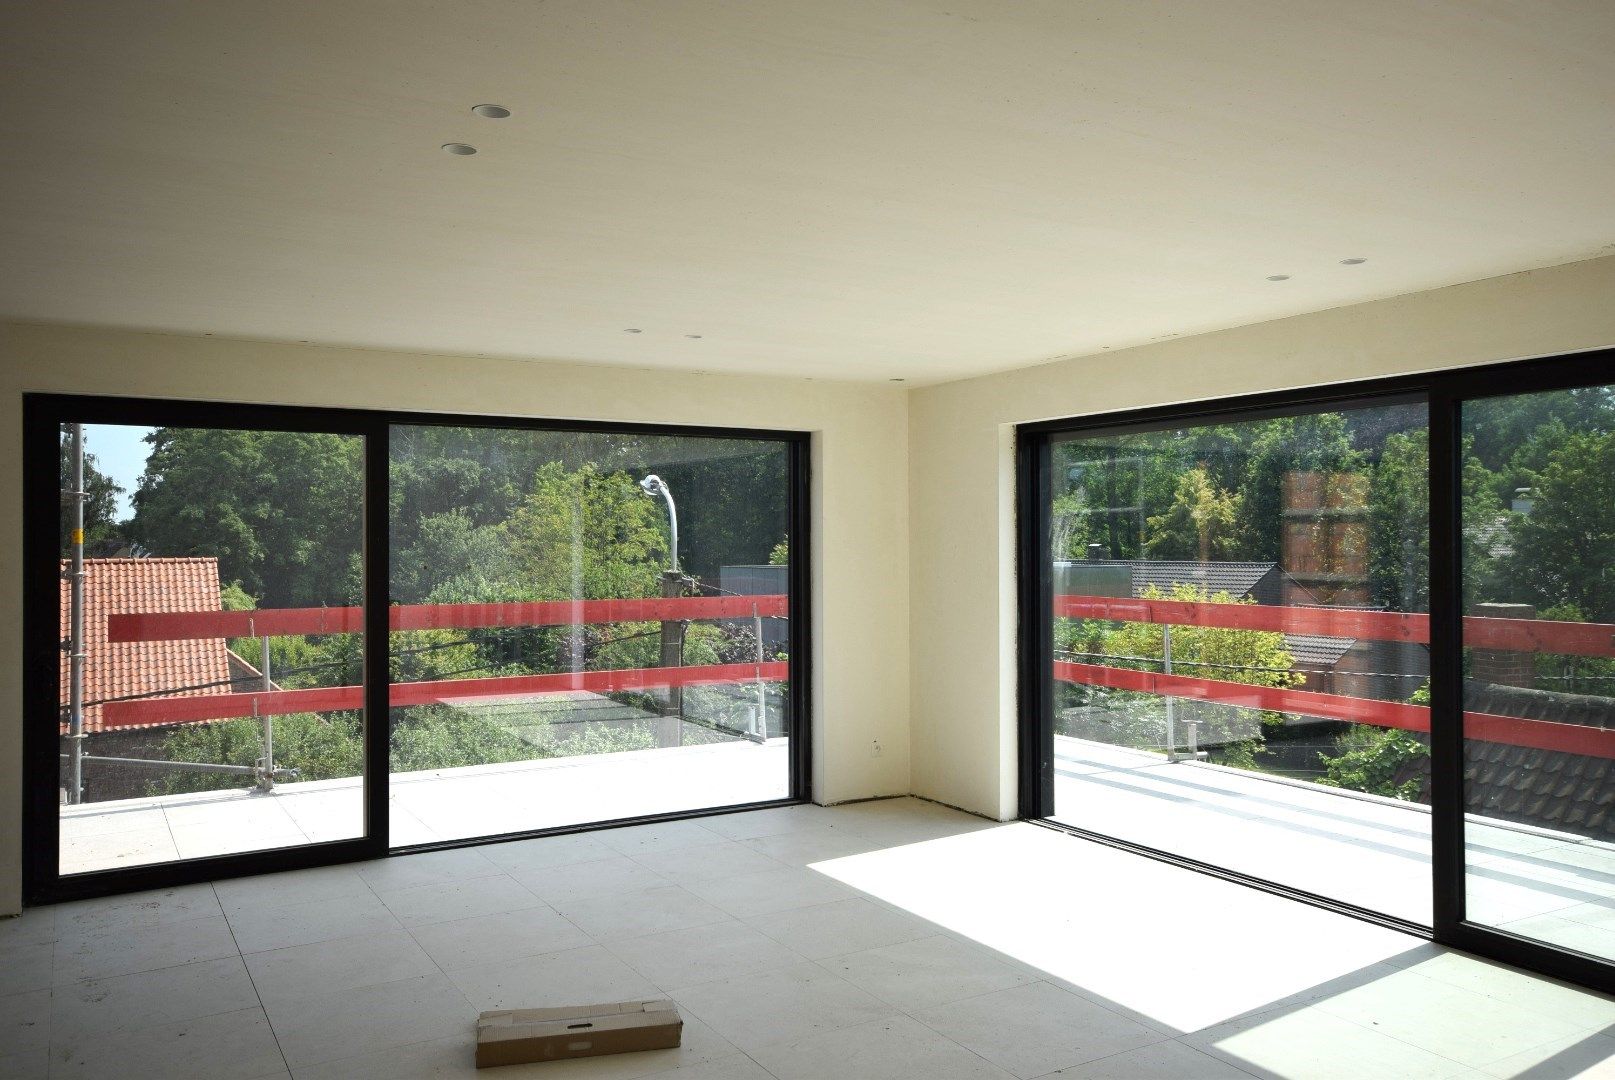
492, 112
693, 337
1278, 277
633, 330
459, 149
1352, 262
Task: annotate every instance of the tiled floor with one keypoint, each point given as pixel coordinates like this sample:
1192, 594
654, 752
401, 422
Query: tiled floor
874, 941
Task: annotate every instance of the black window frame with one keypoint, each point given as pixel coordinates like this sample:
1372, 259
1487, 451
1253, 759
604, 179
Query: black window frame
43, 415
1444, 391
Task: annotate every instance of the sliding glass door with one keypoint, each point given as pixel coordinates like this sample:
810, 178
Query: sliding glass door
1539, 668
589, 626
1357, 649
1239, 662
203, 709
563, 625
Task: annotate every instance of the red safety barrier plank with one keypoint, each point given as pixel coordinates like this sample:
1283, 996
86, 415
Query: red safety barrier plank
1325, 622
1512, 635
148, 711
1484, 727
278, 622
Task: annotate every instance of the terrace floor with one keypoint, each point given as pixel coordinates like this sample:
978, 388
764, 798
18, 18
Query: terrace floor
1361, 849
446, 804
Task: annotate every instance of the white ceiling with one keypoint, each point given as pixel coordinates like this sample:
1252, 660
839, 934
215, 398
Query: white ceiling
863, 189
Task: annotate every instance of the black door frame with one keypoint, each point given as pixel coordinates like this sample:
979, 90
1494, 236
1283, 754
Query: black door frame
1445, 392
43, 414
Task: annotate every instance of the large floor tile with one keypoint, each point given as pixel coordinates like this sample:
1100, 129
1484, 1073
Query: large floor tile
1037, 1028
703, 862
427, 868
28, 1065
780, 1005
421, 905
841, 926
579, 881
90, 1009
341, 964
572, 977
34, 926
345, 1023
1579, 1057
128, 950
281, 926
25, 1022
1158, 1061
635, 914
488, 939
1521, 989
770, 890
26, 967
547, 851
224, 1046
897, 1049
292, 887
661, 836
926, 972
1444, 1019
132, 910
701, 954
1317, 1045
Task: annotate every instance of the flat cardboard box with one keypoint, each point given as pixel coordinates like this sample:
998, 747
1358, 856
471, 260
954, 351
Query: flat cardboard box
518, 1036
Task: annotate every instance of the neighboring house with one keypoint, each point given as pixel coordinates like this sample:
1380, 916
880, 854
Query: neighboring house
192, 668
1551, 789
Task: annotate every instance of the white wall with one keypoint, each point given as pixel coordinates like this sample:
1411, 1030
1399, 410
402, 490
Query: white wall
859, 520
961, 498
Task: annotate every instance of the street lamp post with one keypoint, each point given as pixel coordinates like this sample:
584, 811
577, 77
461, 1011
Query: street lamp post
670, 732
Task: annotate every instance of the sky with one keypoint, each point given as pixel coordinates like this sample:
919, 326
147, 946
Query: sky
120, 454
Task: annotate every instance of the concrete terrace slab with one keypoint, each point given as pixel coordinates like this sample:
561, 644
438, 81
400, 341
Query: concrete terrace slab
447, 804
1365, 850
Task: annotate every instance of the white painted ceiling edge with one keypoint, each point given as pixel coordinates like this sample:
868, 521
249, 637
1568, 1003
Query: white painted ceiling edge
849, 189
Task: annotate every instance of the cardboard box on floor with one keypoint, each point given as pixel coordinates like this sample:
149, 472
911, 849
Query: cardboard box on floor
518, 1036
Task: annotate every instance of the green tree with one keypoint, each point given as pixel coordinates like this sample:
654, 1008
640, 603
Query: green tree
1251, 657
1399, 523
1564, 550
1200, 522
99, 508
281, 510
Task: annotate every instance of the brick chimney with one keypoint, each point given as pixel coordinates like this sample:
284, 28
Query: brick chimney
1501, 667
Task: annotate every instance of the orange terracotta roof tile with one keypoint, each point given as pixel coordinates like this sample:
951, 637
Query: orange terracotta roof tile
129, 586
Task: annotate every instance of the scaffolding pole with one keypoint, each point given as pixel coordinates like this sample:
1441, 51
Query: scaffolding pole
75, 623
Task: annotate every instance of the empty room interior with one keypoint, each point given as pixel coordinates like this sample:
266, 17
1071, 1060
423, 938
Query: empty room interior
828, 540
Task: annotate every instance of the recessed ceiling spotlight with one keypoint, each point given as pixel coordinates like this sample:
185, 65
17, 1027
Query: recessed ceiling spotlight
1278, 277
633, 330
896, 380
459, 149
1352, 262
693, 337
492, 112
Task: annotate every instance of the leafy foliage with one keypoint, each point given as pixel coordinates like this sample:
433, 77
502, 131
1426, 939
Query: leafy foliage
99, 508
1376, 761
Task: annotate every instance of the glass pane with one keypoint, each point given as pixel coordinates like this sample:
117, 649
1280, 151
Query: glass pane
211, 697
1241, 655
1539, 666
558, 659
